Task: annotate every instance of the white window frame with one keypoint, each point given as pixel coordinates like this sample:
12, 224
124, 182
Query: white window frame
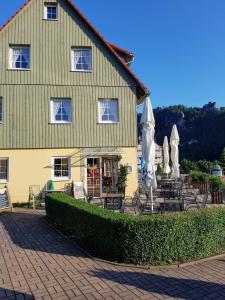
11, 47
46, 6
53, 121
73, 49
2, 119
7, 179
62, 178
99, 112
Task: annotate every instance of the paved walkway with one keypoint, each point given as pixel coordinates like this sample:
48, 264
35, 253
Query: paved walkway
36, 262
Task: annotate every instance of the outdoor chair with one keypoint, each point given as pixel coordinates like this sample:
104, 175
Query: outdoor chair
34, 194
195, 200
114, 202
170, 206
150, 208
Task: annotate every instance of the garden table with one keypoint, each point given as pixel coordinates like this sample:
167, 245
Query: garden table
115, 199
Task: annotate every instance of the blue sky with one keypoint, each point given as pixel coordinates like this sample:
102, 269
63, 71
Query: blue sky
179, 45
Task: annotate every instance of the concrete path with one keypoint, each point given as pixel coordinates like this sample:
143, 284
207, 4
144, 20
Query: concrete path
36, 262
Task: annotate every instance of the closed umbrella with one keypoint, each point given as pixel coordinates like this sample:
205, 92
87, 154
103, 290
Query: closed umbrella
148, 146
166, 157
174, 143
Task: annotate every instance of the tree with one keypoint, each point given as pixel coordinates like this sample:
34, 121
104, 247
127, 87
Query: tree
222, 160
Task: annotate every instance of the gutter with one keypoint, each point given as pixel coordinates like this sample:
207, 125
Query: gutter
140, 102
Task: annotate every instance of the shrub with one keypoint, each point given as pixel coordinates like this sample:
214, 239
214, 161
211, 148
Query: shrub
199, 176
216, 184
188, 166
158, 239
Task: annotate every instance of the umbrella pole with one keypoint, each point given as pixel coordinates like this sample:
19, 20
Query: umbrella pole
152, 207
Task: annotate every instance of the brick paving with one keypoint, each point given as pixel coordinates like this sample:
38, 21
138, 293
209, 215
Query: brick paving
36, 262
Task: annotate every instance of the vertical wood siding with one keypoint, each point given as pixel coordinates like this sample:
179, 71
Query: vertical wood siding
27, 118
27, 94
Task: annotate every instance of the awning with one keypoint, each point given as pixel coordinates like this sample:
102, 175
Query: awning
101, 151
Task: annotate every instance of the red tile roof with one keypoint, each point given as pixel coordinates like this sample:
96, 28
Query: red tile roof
128, 55
142, 89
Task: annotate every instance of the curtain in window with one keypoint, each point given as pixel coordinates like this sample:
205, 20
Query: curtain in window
20, 58
86, 59
114, 110
77, 59
15, 57
67, 107
56, 108
103, 110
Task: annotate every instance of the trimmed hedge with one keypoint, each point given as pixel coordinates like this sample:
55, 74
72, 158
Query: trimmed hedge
154, 240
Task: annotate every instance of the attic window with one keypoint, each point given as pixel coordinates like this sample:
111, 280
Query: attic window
51, 11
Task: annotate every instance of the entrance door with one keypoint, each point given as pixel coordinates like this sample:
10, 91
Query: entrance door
109, 172
93, 177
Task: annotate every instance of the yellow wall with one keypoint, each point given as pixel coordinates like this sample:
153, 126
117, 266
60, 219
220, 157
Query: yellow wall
33, 167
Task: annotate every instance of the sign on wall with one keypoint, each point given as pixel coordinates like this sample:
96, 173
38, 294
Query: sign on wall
78, 190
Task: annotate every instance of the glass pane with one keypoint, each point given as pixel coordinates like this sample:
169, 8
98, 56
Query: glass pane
21, 58
65, 173
51, 12
64, 161
3, 169
58, 161
82, 60
57, 173
3, 163
3, 176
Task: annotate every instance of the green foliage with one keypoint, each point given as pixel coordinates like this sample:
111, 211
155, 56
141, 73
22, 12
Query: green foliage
188, 166
122, 178
201, 166
216, 184
204, 166
222, 160
197, 176
152, 240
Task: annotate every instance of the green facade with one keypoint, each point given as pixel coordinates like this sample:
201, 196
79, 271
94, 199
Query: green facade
26, 94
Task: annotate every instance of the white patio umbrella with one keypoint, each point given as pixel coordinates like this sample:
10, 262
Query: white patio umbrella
148, 146
166, 157
174, 143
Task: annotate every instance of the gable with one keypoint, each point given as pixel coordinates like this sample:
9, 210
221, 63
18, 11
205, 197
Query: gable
51, 44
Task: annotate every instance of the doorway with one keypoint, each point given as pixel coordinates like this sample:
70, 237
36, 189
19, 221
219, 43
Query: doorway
101, 175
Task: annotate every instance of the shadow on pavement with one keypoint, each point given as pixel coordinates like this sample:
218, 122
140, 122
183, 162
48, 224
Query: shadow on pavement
29, 231
178, 288
6, 294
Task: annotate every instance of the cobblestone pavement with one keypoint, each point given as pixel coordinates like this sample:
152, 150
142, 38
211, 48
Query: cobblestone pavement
36, 262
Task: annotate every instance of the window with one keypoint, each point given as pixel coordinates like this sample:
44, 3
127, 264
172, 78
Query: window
108, 111
20, 57
61, 111
51, 12
61, 168
4, 169
1, 110
82, 60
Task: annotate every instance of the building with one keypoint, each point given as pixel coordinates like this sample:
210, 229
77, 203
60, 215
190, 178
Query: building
158, 155
67, 102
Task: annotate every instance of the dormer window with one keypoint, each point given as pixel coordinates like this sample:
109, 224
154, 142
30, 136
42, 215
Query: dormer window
51, 11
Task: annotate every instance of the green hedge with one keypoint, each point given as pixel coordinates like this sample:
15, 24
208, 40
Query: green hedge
157, 239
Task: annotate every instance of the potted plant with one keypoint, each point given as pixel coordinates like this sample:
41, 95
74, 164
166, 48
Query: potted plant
122, 178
